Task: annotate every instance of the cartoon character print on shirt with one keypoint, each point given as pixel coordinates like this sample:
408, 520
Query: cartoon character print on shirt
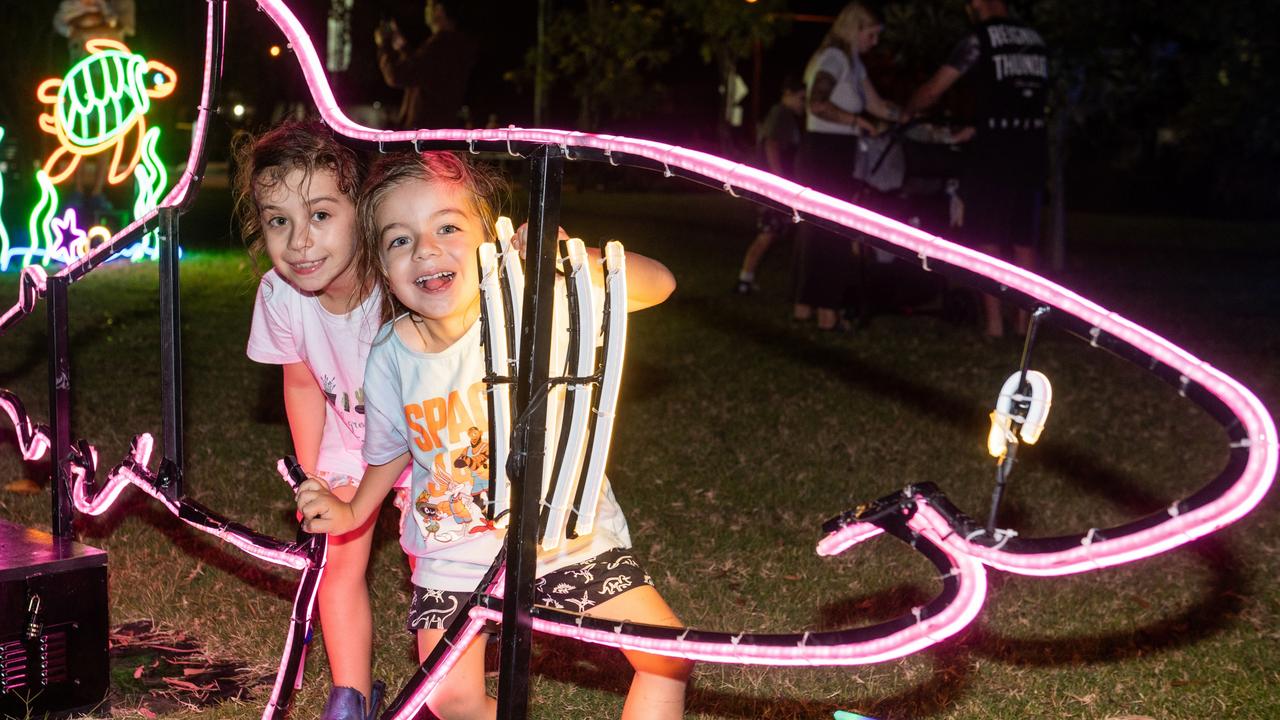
476, 460
451, 503
346, 401
444, 509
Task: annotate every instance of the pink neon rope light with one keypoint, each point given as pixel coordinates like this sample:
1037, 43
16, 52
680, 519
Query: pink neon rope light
1254, 481
32, 439
952, 619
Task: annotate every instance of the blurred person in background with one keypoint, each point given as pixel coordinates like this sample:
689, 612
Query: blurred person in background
842, 105
1006, 162
434, 75
778, 141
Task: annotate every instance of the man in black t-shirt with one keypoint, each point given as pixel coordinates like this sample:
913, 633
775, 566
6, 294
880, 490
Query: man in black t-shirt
778, 140
1006, 162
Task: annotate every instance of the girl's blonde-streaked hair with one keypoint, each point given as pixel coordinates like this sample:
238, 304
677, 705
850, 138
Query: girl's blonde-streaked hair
264, 161
485, 187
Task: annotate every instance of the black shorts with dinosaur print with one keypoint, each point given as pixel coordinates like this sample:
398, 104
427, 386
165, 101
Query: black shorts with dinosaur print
576, 588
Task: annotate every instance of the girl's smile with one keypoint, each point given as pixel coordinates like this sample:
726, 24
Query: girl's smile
428, 234
308, 226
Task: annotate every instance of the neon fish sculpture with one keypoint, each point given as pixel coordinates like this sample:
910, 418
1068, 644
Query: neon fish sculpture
919, 515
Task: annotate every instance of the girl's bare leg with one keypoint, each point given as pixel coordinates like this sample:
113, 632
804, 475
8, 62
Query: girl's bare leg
345, 618
461, 695
658, 688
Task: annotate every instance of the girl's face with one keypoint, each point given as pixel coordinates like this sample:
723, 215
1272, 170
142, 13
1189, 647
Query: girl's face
868, 38
428, 234
309, 228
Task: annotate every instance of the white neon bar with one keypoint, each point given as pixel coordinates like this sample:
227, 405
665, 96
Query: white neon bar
498, 359
615, 303
582, 325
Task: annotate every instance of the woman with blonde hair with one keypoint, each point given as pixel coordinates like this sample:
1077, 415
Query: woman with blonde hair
842, 104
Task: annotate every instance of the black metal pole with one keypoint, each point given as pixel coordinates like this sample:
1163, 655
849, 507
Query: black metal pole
528, 445
59, 405
170, 354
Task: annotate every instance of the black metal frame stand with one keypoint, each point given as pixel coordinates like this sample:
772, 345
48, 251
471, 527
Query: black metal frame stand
59, 405
170, 471
528, 447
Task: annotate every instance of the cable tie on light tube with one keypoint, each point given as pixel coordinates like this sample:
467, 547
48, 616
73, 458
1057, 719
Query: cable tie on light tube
1093, 336
803, 639
1088, 539
1004, 537
609, 155
1174, 511
737, 638
917, 611
795, 216
1241, 443
471, 146
729, 189
1183, 382
924, 261
974, 534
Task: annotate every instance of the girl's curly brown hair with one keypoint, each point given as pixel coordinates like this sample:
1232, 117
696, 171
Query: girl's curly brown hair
485, 186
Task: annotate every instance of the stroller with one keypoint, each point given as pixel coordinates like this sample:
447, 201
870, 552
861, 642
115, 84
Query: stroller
909, 174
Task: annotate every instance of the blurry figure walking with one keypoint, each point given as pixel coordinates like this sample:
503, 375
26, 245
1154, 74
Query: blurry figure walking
778, 141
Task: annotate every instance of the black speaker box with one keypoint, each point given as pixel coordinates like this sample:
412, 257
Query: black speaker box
53, 624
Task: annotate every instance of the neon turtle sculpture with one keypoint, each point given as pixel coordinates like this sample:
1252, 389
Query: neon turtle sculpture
919, 515
100, 106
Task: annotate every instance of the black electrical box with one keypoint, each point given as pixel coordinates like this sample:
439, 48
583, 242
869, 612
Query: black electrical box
53, 624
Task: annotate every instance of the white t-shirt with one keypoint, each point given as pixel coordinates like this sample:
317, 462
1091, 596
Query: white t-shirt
290, 326
848, 94
427, 403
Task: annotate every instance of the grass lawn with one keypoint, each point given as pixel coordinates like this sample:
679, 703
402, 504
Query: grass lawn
739, 433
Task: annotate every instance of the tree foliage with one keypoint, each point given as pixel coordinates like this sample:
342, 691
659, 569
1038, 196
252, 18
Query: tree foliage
604, 52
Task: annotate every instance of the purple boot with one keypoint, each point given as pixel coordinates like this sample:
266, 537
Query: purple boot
348, 703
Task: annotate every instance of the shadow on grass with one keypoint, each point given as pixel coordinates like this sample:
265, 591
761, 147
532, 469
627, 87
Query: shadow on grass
803, 348
1208, 614
606, 670
84, 336
1213, 611
201, 547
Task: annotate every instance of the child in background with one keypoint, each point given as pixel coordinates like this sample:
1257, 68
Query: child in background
778, 141
424, 216
316, 312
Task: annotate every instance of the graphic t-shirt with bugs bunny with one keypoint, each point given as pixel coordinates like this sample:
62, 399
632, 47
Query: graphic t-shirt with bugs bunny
434, 406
